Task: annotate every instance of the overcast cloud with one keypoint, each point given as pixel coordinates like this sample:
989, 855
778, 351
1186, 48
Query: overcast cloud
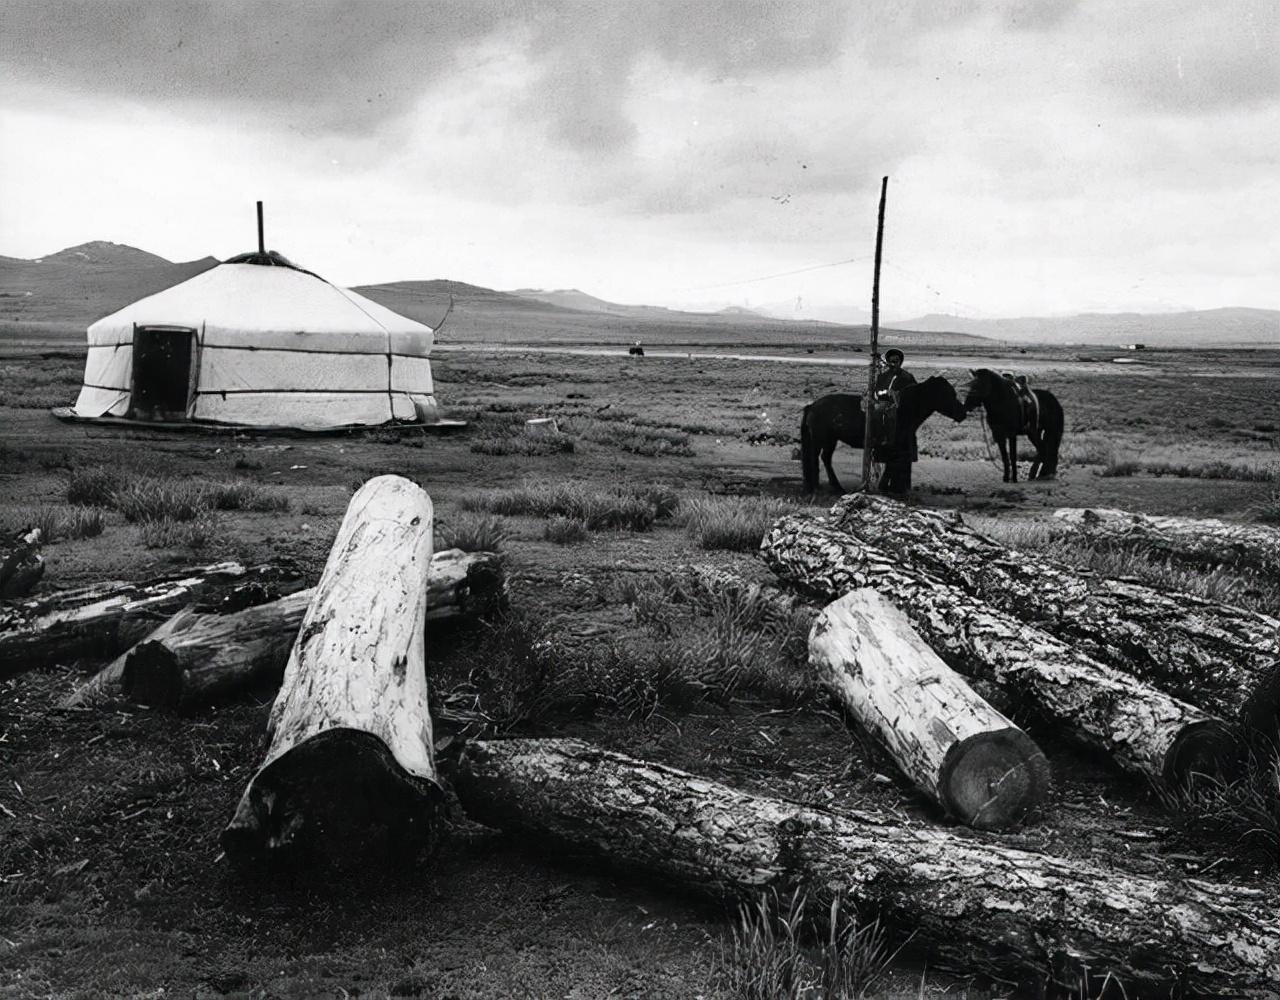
1044, 156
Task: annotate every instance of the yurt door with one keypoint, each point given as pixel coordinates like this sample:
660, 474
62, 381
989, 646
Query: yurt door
162, 372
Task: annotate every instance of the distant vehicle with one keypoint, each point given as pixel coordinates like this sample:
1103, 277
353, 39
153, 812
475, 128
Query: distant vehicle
636, 350
1135, 347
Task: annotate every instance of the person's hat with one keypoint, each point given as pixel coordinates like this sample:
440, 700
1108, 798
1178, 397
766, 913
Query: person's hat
892, 353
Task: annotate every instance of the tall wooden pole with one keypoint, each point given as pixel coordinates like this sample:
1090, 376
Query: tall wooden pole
868, 481
262, 246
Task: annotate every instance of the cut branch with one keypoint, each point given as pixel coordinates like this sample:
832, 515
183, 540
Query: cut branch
351, 758
1145, 730
954, 747
977, 904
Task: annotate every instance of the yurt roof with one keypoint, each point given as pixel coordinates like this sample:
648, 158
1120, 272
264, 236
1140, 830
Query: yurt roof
264, 304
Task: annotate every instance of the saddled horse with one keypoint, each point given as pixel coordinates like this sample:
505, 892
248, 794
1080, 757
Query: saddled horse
839, 417
1006, 417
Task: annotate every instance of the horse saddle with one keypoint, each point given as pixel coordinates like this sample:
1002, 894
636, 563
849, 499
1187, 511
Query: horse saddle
885, 406
1028, 404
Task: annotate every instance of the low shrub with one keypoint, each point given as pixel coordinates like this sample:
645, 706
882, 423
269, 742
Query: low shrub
1267, 511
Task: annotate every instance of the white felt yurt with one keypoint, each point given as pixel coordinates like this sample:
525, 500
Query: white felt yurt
258, 342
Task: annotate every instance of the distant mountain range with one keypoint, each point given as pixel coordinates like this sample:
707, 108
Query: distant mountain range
71, 288
1230, 327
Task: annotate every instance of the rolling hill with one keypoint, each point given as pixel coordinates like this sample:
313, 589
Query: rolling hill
64, 292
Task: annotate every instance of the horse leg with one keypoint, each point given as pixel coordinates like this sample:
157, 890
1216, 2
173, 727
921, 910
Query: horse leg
1013, 458
1004, 457
831, 472
1038, 461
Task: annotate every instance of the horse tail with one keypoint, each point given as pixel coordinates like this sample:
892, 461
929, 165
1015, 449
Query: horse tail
808, 454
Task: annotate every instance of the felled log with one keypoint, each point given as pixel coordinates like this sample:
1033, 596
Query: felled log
1145, 730
351, 759
1196, 542
194, 659
974, 903
99, 620
1212, 655
21, 564
954, 747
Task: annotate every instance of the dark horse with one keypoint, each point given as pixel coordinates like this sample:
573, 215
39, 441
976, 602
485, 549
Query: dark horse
839, 417
1005, 416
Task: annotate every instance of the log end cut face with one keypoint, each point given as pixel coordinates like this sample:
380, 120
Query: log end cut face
992, 780
338, 800
1210, 748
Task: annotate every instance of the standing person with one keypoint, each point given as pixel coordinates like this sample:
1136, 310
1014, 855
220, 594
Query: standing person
896, 456
894, 377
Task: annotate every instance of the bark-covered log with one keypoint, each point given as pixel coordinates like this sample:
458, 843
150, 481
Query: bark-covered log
351, 758
1213, 655
21, 564
1144, 729
973, 902
194, 659
953, 746
99, 620
1195, 542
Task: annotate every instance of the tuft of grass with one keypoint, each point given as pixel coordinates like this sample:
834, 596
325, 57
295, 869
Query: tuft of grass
600, 509
193, 533
1267, 511
94, 487
722, 642
566, 530
632, 437
734, 523
242, 495
245, 461
1117, 468
145, 500
477, 534
778, 951
82, 522
1243, 471
516, 442
1241, 817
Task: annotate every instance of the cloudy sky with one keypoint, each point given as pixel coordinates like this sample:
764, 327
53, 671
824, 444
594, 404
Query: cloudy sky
1045, 156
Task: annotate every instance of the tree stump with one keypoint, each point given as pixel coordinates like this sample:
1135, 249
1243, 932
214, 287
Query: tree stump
954, 747
1145, 730
351, 760
975, 903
